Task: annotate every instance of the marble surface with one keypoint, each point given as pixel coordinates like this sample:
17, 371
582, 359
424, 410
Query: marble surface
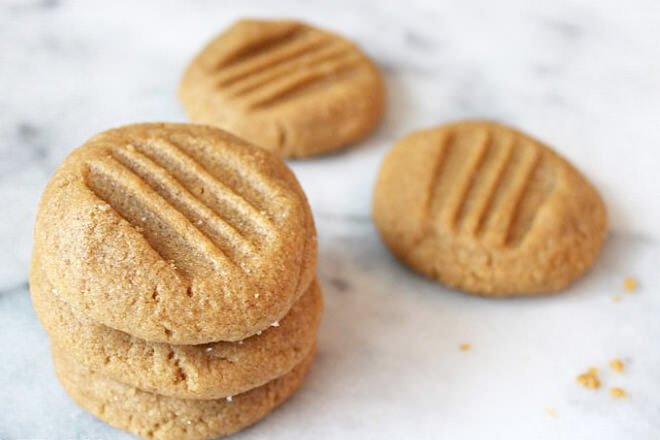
582, 75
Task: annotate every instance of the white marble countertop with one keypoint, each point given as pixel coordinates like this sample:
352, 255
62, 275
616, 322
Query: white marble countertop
582, 75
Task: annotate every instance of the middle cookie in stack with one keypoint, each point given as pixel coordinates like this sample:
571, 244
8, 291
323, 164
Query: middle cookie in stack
177, 260
206, 371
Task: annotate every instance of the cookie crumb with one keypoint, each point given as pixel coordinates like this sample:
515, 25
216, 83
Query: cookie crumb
465, 347
629, 284
209, 349
551, 412
230, 398
258, 333
256, 295
240, 342
618, 393
617, 365
275, 324
616, 298
589, 379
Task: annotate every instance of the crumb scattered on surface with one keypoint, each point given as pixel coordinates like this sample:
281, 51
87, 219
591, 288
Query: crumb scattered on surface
551, 412
209, 349
617, 392
465, 347
230, 398
629, 284
275, 324
589, 379
616, 298
617, 365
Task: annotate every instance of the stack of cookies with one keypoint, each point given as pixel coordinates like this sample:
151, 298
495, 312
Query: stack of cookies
173, 268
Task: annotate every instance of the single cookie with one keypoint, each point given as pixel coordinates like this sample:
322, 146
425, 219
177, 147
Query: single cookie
208, 371
176, 233
487, 209
286, 86
163, 418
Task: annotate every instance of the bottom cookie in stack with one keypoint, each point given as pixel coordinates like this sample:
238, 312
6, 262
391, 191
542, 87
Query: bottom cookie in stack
163, 391
159, 417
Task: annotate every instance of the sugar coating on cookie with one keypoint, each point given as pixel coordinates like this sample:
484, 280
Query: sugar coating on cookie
487, 209
286, 86
207, 371
166, 231
167, 418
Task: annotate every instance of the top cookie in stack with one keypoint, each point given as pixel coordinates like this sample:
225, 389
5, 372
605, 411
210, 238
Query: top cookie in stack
176, 233
174, 271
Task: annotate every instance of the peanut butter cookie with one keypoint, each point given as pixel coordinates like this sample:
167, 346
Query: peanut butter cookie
208, 371
176, 233
487, 209
286, 86
167, 418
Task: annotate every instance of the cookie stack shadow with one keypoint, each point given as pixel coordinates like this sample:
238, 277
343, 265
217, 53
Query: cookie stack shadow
173, 269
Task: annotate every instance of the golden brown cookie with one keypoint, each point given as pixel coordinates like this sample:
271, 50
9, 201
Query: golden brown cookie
176, 233
208, 371
163, 418
286, 86
487, 209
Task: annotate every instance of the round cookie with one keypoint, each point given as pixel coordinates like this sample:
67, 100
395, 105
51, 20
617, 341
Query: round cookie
286, 86
176, 233
163, 418
487, 209
208, 371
